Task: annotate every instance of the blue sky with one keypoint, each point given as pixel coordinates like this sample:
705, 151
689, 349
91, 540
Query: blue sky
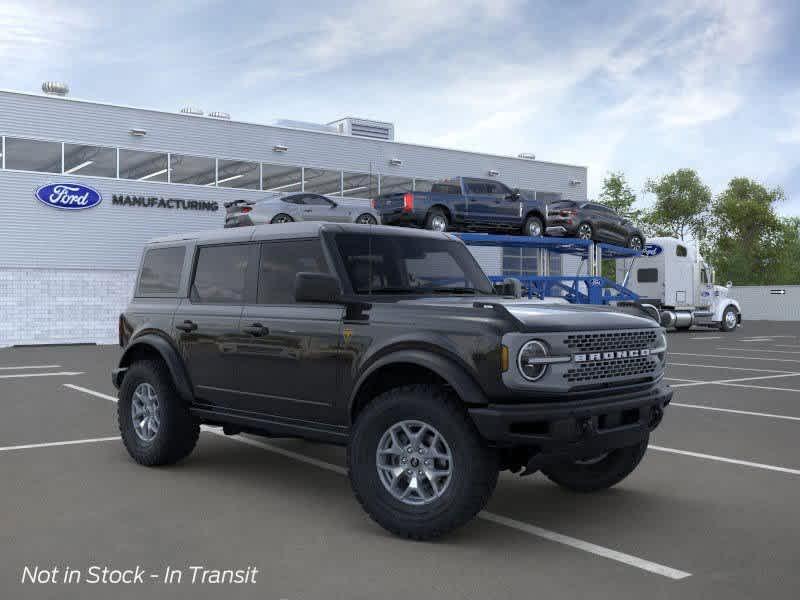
640, 87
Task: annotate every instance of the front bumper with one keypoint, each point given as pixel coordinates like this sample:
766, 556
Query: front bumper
576, 429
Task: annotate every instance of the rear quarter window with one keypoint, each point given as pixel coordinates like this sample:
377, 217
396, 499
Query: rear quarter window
161, 270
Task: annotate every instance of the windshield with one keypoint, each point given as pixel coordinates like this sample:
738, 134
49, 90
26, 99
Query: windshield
387, 264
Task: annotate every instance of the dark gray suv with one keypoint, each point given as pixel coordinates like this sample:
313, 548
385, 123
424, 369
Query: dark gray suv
394, 343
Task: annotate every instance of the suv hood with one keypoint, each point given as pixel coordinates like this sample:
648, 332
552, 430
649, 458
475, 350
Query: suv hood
543, 316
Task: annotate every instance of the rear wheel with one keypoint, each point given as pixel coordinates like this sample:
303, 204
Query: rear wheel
281, 218
366, 219
730, 319
437, 220
154, 422
417, 464
635, 242
533, 227
599, 472
584, 232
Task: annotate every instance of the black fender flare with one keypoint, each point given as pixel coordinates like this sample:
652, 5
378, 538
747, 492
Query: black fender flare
454, 374
168, 354
535, 212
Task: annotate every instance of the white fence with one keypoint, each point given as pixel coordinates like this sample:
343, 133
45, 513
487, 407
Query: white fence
768, 302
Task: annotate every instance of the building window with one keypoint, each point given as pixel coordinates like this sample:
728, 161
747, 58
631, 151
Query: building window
396, 185
280, 178
323, 181
90, 160
519, 262
144, 166
238, 174
194, 170
33, 155
360, 185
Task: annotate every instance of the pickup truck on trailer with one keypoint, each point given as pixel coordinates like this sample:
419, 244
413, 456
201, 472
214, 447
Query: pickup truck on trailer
463, 204
394, 343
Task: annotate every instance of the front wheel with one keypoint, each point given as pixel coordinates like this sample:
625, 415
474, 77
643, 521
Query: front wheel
585, 231
366, 219
417, 464
599, 472
730, 319
533, 227
635, 242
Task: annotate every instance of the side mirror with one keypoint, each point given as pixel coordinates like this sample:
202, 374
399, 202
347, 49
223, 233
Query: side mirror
510, 286
317, 287
514, 194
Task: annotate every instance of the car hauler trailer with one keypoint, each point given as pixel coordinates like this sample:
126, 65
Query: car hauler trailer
673, 276
588, 288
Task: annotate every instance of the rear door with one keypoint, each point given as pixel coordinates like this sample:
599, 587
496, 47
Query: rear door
478, 202
207, 323
504, 207
289, 363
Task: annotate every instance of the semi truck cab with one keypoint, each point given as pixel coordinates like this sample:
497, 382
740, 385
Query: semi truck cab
673, 276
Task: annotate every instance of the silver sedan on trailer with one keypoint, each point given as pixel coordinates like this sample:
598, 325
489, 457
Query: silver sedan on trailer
300, 206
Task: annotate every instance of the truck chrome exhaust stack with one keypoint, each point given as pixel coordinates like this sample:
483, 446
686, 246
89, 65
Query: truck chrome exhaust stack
668, 319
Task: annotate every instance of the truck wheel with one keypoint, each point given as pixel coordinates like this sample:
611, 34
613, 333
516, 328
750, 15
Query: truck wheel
597, 473
436, 220
585, 231
730, 319
155, 423
417, 464
533, 227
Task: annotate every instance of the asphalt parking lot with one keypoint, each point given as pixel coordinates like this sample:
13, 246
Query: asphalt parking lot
712, 510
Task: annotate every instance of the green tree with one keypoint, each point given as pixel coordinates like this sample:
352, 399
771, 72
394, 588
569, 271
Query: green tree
618, 195
749, 243
681, 205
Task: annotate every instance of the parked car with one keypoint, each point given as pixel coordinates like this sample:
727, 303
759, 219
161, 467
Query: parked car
390, 341
463, 204
592, 221
302, 206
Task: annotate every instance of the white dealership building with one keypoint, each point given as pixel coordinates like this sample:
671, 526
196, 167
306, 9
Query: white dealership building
66, 274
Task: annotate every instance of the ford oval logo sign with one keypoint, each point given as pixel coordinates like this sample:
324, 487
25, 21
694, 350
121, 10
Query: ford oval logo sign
652, 250
68, 196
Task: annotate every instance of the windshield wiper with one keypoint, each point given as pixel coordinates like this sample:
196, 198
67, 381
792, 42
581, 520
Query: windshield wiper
450, 290
387, 290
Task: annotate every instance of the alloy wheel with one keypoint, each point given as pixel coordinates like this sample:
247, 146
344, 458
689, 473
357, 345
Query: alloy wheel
636, 243
534, 228
414, 462
366, 220
145, 412
438, 223
585, 231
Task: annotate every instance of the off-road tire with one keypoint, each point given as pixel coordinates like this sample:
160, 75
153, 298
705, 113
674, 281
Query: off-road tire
475, 466
433, 214
178, 430
527, 227
593, 477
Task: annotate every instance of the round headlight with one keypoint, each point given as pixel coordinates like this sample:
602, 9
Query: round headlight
528, 360
661, 344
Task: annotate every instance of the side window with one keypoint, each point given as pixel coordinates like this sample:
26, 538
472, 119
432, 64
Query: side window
280, 264
220, 274
161, 272
474, 187
317, 200
294, 199
680, 251
647, 275
703, 276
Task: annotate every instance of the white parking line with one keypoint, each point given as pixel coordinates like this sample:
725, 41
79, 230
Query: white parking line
710, 337
761, 387
735, 411
674, 364
52, 444
553, 536
786, 345
30, 367
733, 461
693, 382
791, 360
764, 350
60, 373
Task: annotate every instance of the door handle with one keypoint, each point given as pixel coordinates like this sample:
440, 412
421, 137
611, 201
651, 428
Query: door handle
256, 329
307, 210
187, 326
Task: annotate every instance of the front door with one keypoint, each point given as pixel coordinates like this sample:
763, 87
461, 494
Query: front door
320, 208
207, 323
289, 365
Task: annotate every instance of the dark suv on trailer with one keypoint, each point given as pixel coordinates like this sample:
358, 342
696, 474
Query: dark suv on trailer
393, 342
593, 221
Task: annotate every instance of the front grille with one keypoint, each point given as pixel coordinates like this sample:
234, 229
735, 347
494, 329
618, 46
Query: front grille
608, 369
611, 340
